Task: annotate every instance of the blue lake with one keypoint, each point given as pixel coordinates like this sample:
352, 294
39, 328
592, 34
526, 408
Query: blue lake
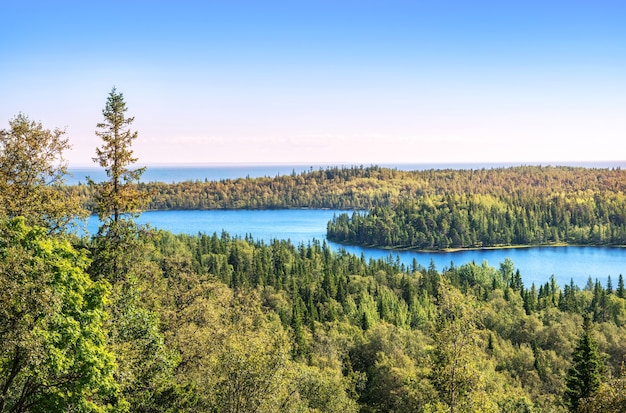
301, 226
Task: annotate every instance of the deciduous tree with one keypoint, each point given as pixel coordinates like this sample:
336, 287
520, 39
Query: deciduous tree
53, 354
32, 169
455, 346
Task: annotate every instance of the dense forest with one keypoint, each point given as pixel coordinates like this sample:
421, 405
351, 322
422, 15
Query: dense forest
363, 188
214, 323
368, 336
433, 209
470, 221
133, 319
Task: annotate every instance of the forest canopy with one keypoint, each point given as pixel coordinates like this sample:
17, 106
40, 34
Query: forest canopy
475, 221
431, 209
363, 188
133, 319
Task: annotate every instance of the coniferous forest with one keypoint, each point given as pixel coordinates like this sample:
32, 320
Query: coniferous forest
473, 221
133, 319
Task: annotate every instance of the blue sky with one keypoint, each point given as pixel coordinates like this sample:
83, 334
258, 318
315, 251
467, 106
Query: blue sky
352, 82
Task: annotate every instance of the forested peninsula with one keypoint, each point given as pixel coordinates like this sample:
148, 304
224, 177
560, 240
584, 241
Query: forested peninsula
513, 207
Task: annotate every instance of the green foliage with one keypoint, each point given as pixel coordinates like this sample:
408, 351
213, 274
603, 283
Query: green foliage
145, 364
118, 195
122, 255
394, 362
53, 353
455, 336
219, 323
32, 169
585, 375
530, 347
238, 359
610, 397
435, 209
307, 329
363, 188
485, 220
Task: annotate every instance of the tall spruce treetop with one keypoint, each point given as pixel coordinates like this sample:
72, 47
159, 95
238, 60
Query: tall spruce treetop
117, 200
118, 195
585, 375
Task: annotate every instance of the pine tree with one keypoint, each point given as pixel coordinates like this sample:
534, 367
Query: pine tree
584, 376
610, 397
297, 325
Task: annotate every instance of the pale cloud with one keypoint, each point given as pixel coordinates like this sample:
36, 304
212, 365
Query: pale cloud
187, 140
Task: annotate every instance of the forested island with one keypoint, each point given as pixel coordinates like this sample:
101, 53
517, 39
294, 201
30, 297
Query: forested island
133, 319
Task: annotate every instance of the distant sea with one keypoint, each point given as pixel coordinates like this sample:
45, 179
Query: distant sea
182, 173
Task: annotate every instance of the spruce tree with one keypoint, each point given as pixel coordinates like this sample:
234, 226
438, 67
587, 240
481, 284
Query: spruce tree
118, 195
121, 255
585, 374
117, 199
621, 291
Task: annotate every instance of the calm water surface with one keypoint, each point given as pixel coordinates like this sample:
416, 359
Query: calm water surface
302, 226
170, 174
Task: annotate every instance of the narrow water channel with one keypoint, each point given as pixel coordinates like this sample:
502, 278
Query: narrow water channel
303, 225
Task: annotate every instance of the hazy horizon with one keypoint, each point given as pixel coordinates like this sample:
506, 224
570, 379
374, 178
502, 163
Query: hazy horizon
215, 172
602, 163
325, 82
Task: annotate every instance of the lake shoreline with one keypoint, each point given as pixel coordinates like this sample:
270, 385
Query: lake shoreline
302, 226
399, 249
488, 248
